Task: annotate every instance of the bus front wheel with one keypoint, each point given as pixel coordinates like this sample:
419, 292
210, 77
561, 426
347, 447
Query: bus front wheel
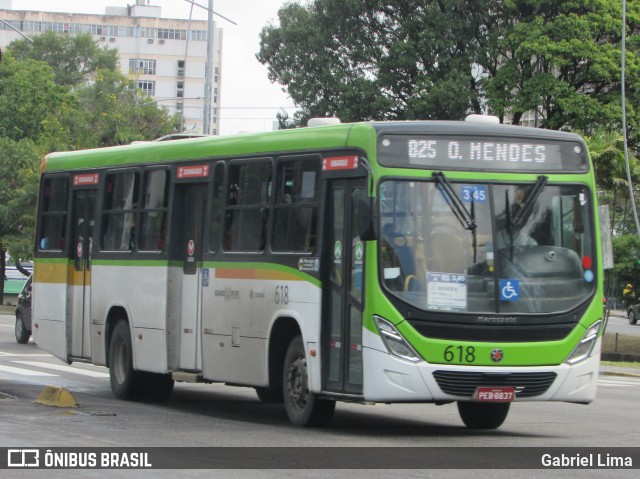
303, 407
483, 415
124, 379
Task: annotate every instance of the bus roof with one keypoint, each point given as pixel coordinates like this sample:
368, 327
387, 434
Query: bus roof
335, 136
300, 139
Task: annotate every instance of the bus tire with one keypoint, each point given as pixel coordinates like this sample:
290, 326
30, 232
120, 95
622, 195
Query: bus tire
22, 333
124, 379
483, 415
303, 407
270, 395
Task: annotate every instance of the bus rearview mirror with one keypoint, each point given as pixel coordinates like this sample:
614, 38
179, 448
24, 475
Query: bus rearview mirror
366, 219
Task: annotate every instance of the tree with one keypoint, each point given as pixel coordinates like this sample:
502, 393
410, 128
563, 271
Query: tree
74, 59
562, 60
19, 170
371, 59
28, 95
47, 106
111, 111
442, 59
626, 250
607, 155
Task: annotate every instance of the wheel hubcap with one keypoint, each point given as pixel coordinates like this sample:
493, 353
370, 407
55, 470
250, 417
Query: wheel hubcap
297, 382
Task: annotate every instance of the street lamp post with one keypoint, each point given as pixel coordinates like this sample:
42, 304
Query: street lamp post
206, 124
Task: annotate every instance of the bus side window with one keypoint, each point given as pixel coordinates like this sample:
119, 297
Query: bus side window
247, 210
118, 218
53, 214
217, 208
296, 208
154, 211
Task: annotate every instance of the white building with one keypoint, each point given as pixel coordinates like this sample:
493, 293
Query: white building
166, 57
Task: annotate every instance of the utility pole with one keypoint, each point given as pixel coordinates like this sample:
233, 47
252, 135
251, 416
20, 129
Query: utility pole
206, 124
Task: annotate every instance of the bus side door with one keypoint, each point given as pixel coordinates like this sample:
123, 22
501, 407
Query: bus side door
185, 289
79, 275
343, 286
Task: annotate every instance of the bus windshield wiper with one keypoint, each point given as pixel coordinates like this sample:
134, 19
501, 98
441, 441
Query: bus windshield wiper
524, 212
465, 218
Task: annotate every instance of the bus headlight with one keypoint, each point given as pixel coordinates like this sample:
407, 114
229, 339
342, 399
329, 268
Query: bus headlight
583, 350
395, 343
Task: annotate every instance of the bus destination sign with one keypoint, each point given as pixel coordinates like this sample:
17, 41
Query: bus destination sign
448, 152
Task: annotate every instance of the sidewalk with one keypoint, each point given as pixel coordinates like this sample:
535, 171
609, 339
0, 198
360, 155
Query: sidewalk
606, 370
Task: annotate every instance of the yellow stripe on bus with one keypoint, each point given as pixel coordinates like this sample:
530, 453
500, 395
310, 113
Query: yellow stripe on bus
246, 273
61, 273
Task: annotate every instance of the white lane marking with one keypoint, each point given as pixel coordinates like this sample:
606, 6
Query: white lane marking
23, 372
60, 367
619, 382
23, 355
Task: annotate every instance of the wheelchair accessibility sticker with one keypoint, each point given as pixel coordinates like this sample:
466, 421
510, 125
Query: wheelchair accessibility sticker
509, 290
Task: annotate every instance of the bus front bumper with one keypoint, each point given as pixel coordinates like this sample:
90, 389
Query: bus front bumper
391, 379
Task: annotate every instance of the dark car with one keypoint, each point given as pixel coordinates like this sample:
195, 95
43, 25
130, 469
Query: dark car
23, 314
633, 313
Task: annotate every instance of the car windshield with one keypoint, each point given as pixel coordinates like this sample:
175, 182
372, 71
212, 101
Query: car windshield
487, 248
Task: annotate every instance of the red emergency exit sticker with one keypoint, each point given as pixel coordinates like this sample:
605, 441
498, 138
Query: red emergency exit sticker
193, 171
340, 163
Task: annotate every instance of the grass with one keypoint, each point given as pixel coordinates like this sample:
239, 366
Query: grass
622, 343
622, 364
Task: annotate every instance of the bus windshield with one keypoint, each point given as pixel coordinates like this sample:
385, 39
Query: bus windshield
487, 247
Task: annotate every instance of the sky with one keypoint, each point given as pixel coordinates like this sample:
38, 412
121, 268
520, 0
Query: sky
249, 101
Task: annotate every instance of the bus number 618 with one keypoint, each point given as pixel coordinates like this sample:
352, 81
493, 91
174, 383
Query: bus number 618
282, 294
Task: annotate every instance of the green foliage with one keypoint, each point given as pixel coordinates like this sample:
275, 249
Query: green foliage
46, 104
28, 96
74, 59
425, 59
367, 59
19, 170
626, 251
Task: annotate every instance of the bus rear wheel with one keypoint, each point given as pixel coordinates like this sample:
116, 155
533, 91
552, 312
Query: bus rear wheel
483, 415
303, 407
124, 379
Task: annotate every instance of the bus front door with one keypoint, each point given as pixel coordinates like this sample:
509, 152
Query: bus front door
79, 276
343, 286
186, 239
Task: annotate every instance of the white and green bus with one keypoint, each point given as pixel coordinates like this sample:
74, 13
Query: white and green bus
433, 262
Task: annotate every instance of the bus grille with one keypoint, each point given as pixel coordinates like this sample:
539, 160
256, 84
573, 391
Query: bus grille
464, 384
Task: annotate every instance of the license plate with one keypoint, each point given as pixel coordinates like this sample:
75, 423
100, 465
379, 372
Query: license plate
494, 394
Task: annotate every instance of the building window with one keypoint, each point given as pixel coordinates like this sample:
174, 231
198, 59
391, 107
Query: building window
181, 68
172, 34
147, 32
199, 35
147, 87
141, 65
